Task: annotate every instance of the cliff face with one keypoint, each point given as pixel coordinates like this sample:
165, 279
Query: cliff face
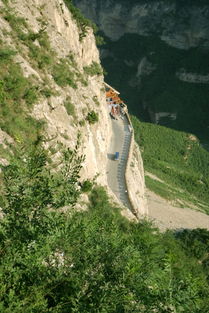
64, 105
64, 40
182, 28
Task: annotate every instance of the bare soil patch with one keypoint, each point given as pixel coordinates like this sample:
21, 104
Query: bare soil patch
167, 216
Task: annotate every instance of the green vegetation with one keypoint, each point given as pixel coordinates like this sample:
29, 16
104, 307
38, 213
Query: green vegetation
87, 185
96, 101
70, 107
92, 117
17, 95
47, 92
178, 159
43, 56
65, 71
99, 40
93, 69
82, 22
16, 23
62, 74
55, 260
80, 78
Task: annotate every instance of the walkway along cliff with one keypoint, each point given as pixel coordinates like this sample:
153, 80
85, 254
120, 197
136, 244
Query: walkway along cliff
125, 176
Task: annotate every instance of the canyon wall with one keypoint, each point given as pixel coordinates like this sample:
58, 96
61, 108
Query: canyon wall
182, 28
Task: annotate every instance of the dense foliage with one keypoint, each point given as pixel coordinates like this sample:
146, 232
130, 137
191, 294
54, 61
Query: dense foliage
178, 159
54, 259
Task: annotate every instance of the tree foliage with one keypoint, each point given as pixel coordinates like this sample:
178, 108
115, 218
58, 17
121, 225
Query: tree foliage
95, 261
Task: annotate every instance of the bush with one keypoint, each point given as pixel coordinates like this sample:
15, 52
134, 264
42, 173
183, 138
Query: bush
63, 75
99, 40
92, 117
17, 23
6, 53
40, 56
82, 22
47, 92
70, 107
93, 69
86, 186
96, 101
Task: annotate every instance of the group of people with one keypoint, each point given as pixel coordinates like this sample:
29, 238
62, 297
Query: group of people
116, 105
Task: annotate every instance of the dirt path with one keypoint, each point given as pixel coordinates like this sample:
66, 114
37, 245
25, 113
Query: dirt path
166, 216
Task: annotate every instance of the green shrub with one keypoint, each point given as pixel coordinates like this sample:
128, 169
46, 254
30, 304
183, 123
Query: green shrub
96, 101
17, 23
87, 186
42, 57
31, 95
82, 22
99, 40
92, 117
47, 92
93, 69
6, 53
80, 78
70, 107
63, 75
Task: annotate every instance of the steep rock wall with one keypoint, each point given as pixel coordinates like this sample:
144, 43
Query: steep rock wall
182, 28
64, 39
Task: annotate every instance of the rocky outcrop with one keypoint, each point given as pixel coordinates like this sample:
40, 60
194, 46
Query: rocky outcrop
192, 77
182, 28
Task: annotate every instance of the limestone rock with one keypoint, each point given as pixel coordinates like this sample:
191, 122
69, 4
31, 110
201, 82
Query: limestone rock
185, 28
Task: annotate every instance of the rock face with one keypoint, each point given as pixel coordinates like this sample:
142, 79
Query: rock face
64, 39
181, 28
192, 77
61, 126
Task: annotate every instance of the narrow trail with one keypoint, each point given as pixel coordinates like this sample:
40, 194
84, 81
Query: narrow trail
120, 142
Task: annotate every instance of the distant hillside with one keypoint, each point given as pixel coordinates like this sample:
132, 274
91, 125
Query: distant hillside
179, 164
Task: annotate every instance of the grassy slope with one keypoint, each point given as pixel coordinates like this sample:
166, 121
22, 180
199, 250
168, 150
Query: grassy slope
178, 159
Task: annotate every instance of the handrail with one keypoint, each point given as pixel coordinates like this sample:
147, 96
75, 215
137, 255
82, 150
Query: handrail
128, 164
130, 152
